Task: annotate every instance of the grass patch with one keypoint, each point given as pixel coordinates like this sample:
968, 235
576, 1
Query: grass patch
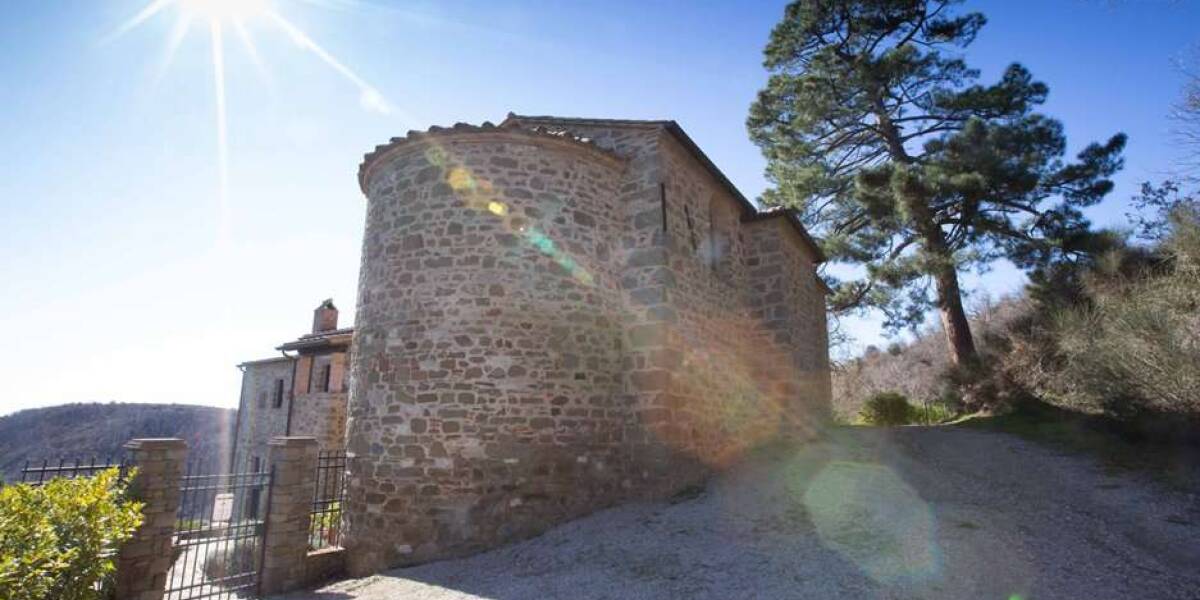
889, 409
1117, 445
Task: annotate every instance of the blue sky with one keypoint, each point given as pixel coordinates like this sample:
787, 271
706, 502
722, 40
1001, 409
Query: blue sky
127, 280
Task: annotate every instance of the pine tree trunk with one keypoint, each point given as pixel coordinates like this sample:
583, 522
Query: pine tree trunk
945, 277
945, 274
949, 295
954, 318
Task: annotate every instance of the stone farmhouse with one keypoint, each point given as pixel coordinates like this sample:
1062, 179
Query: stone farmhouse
299, 394
554, 315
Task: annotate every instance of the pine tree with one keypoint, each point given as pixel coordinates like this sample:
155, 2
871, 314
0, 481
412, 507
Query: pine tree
877, 132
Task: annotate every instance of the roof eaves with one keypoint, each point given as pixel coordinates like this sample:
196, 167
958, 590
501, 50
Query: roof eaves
304, 344
514, 119
330, 333
313, 343
264, 361
370, 158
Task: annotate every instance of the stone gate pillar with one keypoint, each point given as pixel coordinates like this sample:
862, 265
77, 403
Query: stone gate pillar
143, 561
294, 461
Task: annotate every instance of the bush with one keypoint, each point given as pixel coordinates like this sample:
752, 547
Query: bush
1130, 347
58, 540
1113, 332
933, 413
887, 408
1136, 350
919, 368
325, 528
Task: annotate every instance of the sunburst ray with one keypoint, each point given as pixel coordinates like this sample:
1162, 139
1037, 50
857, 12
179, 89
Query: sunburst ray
142, 16
218, 61
182, 23
235, 13
369, 97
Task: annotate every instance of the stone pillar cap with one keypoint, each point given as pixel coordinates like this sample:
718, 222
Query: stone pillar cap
292, 440
154, 443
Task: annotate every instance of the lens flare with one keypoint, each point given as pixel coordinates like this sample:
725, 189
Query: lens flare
218, 61
479, 194
869, 515
218, 15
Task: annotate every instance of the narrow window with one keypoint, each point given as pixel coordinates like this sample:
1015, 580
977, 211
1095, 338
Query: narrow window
323, 379
687, 212
662, 200
278, 399
720, 242
714, 243
255, 497
262, 400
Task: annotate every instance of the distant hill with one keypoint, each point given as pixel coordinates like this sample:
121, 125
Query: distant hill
74, 431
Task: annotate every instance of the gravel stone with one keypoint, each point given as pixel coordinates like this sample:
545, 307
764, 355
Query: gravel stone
867, 513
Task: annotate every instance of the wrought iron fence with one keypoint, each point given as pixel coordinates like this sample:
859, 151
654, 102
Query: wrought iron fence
35, 474
325, 519
218, 545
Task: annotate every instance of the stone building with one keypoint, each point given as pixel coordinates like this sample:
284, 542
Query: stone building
302, 392
555, 315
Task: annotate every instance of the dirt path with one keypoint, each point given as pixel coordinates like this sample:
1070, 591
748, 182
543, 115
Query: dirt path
870, 513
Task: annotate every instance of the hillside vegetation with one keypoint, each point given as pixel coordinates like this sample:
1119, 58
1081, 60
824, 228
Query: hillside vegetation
1115, 337
918, 369
74, 431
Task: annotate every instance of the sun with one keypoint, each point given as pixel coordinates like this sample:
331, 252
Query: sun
218, 16
224, 10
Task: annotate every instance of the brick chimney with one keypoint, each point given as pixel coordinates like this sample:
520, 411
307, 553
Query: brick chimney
325, 317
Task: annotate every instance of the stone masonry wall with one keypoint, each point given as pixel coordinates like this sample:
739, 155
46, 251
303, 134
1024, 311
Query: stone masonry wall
659, 463
721, 397
790, 303
321, 415
258, 419
546, 327
317, 413
706, 375
487, 365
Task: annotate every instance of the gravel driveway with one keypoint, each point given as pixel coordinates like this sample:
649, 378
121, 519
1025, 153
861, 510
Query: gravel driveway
870, 513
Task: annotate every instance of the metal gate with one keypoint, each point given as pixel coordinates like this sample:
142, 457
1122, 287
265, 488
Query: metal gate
325, 518
34, 474
218, 544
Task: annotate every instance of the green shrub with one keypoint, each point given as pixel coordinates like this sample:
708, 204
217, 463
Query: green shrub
933, 413
1133, 349
324, 528
887, 408
58, 540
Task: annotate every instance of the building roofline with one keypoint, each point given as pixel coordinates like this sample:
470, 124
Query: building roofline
309, 341
264, 361
330, 333
432, 135
750, 212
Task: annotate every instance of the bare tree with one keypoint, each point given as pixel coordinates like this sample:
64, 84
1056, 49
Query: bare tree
1186, 116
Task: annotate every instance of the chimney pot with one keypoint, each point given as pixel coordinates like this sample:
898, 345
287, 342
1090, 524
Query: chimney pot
325, 317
